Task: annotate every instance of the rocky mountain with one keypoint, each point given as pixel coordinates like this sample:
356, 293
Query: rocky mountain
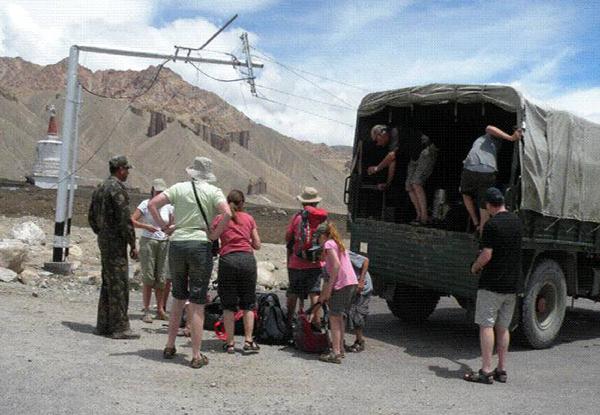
161, 132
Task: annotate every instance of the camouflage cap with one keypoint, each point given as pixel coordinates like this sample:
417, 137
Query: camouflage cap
119, 161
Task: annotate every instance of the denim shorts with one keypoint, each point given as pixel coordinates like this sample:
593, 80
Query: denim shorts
190, 265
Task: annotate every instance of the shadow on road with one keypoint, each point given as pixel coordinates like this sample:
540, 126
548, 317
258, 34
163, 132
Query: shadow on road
448, 334
79, 327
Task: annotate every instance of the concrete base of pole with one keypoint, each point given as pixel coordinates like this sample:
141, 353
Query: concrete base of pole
62, 268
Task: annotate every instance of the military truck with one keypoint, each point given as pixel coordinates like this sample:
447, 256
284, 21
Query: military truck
551, 179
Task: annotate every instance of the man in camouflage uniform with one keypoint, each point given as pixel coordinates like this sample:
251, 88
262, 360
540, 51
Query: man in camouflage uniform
110, 219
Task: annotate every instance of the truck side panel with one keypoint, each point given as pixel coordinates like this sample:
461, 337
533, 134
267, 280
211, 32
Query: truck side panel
430, 258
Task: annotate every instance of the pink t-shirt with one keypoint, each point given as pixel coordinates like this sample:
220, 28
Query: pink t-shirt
346, 275
295, 261
237, 237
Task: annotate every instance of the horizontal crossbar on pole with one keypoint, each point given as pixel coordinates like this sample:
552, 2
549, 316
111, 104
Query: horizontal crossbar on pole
161, 56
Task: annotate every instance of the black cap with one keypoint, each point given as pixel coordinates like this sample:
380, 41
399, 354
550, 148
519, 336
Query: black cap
494, 196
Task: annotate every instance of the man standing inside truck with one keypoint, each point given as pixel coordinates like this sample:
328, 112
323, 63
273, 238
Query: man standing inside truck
480, 168
384, 136
499, 263
422, 155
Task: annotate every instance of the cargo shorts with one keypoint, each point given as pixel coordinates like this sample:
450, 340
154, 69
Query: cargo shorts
418, 171
494, 309
190, 264
153, 261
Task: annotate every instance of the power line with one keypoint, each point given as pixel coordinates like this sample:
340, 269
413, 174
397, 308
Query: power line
108, 137
216, 79
305, 98
134, 97
264, 98
264, 56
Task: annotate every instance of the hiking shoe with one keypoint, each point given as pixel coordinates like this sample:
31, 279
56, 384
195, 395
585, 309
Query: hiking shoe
125, 335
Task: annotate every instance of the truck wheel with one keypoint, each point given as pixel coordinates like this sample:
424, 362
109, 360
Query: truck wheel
413, 304
544, 305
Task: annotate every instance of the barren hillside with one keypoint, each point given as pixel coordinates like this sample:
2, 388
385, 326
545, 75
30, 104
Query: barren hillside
161, 132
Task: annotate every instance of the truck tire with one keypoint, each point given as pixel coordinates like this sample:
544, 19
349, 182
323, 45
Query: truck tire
544, 304
413, 304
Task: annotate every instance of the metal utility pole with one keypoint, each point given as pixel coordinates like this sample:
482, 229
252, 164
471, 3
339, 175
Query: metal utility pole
249, 63
68, 156
72, 170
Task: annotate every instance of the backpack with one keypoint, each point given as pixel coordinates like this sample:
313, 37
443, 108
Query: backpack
307, 246
213, 319
306, 338
271, 326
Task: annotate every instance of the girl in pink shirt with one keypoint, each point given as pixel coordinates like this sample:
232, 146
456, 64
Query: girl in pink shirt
339, 287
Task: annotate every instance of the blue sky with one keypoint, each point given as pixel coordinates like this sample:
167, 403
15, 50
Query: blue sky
550, 50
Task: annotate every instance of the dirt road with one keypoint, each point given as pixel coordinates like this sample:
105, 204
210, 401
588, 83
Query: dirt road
51, 363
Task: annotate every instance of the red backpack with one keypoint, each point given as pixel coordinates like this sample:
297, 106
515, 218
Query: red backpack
307, 247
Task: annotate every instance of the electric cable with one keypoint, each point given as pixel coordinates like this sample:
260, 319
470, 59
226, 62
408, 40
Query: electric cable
264, 98
306, 98
264, 56
217, 79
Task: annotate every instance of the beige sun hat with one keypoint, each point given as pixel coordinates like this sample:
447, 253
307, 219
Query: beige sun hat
309, 195
201, 169
159, 185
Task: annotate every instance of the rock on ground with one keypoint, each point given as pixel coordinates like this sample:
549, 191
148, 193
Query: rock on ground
13, 254
7, 275
29, 232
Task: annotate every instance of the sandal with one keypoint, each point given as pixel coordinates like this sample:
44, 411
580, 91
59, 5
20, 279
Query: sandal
229, 348
198, 362
169, 352
330, 358
500, 375
147, 318
357, 347
479, 377
162, 316
250, 347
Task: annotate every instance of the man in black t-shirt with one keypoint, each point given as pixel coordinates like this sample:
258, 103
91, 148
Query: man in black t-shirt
499, 263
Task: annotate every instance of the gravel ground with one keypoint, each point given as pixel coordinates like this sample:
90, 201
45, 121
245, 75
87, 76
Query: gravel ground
52, 363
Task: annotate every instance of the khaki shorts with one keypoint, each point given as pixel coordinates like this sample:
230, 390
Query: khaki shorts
153, 259
418, 171
494, 309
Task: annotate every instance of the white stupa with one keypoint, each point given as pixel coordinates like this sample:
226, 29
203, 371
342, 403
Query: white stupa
46, 167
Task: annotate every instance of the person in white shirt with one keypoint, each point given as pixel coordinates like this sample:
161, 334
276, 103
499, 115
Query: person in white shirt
153, 253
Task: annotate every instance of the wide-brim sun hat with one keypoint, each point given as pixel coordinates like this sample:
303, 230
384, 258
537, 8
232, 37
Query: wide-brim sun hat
309, 195
159, 185
201, 169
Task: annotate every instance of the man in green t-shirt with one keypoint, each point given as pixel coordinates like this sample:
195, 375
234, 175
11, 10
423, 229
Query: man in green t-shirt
196, 203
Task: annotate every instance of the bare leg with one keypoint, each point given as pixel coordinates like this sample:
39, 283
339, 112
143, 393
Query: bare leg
248, 325
470, 205
292, 300
229, 323
486, 340
502, 341
336, 333
415, 202
359, 335
174, 321
315, 317
484, 218
160, 306
166, 292
197, 319
146, 295
421, 202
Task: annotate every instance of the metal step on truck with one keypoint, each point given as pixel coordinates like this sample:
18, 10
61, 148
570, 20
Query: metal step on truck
551, 179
